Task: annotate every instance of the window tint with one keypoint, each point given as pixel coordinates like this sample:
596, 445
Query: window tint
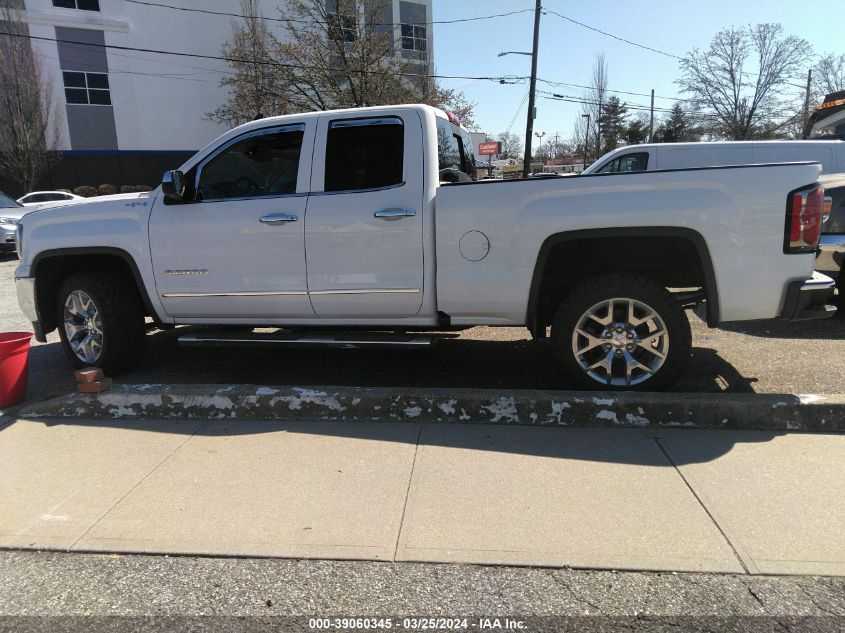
82, 5
262, 165
364, 154
413, 37
468, 156
6, 202
626, 163
456, 161
86, 88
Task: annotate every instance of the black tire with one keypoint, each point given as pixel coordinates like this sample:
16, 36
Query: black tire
121, 315
642, 290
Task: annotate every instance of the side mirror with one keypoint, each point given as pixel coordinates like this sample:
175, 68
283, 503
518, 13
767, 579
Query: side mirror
173, 185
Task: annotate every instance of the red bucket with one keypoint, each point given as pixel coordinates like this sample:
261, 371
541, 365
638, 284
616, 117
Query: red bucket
14, 366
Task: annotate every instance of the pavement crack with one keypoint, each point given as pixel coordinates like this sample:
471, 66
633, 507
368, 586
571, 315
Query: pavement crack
703, 506
407, 494
754, 594
565, 585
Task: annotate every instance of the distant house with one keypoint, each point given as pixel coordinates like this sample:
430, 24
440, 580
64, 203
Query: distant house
828, 119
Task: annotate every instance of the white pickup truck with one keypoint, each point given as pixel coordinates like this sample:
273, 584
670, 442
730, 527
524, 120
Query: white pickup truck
366, 227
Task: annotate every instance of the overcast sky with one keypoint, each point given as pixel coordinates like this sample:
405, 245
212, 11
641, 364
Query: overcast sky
567, 50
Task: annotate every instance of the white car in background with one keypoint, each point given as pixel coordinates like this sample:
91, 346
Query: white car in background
10, 215
47, 198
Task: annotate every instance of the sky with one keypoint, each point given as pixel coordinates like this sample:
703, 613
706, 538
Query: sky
567, 51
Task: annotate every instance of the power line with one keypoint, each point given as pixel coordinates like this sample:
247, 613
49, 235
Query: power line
247, 61
621, 92
302, 21
518, 110
616, 37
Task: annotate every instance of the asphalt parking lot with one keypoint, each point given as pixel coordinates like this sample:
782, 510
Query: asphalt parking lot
761, 357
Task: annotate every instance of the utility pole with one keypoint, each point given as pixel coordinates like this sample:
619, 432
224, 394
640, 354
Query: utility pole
529, 127
651, 120
598, 134
586, 139
804, 130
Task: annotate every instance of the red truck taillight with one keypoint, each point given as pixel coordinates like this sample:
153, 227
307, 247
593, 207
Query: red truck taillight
804, 220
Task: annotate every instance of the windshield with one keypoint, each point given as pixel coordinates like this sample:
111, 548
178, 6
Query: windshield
7, 203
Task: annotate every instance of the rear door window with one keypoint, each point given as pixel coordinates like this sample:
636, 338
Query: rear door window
364, 154
455, 157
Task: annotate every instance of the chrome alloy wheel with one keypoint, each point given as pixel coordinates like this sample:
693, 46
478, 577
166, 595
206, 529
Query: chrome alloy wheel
620, 342
83, 327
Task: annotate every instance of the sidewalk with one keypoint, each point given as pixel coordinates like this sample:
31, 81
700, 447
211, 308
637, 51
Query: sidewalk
675, 500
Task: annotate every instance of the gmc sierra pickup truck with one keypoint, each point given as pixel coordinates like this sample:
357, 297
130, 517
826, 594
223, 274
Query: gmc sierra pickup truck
366, 227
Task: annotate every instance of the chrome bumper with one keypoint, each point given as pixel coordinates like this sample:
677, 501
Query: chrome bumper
831, 254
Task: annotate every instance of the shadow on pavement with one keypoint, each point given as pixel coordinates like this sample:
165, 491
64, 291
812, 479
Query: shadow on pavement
832, 328
618, 446
457, 363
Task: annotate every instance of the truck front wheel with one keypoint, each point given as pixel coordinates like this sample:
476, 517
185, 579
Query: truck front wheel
101, 321
621, 332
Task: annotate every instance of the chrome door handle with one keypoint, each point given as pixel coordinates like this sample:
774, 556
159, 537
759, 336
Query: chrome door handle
394, 214
279, 218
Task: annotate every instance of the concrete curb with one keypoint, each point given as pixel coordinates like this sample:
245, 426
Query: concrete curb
771, 412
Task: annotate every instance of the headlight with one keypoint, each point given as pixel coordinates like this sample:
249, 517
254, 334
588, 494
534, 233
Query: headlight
13, 221
19, 241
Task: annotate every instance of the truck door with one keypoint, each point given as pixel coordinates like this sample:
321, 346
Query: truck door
236, 248
363, 228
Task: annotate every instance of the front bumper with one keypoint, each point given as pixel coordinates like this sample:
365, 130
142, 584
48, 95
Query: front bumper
25, 289
7, 239
808, 299
831, 254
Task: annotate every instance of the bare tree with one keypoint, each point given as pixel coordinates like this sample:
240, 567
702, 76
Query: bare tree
594, 100
744, 80
829, 75
30, 136
511, 145
327, 54
256, 87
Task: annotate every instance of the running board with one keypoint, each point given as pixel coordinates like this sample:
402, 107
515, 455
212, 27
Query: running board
344, 340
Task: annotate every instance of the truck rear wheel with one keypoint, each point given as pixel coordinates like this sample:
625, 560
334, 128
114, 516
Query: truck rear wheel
621, 332
101, 321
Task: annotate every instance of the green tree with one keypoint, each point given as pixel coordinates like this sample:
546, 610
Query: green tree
613, 124
636, 130
677, 127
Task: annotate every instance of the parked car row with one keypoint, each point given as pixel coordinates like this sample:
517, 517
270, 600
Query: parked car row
11, 213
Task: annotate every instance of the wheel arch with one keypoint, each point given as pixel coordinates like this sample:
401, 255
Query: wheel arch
551, 250
47, 263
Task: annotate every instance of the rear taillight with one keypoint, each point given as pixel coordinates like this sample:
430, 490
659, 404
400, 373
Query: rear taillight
826, 207
804, 220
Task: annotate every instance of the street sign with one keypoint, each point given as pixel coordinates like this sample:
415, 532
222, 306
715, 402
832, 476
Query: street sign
490, 148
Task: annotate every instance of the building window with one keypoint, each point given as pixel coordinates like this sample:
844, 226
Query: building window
341, 20
87, 88
82, 5
413, 37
